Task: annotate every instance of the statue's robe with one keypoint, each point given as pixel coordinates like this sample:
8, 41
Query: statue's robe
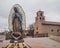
17, 27
17, 22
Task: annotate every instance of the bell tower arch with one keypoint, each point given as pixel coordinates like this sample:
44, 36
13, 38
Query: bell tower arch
40, 16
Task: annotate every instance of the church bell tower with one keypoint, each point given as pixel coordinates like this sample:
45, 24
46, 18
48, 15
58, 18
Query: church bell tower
38, 22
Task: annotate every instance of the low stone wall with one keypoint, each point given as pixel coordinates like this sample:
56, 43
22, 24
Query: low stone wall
41, 35
56, 38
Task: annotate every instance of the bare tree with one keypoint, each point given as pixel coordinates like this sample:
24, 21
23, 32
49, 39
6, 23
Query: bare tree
31, 29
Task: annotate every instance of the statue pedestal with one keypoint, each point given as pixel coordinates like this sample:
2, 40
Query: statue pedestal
16, 41
19, 41
16, 36
17, 45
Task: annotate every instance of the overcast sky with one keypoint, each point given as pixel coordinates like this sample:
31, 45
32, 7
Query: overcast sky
51, 10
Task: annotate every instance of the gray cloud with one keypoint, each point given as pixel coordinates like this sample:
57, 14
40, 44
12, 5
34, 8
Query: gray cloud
51, 10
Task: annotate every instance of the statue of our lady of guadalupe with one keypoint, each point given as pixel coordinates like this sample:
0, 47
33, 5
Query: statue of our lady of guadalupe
17, 25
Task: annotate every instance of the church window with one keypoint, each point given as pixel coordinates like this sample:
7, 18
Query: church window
37, 28
36, 32
57, 30
40, 18
52, 30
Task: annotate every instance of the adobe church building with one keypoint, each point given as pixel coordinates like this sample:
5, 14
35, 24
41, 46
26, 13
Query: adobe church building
44, 28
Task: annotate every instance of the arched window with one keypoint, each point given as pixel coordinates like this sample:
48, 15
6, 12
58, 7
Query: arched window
57, 30
37, 28
40, 18
36, 32
52, 30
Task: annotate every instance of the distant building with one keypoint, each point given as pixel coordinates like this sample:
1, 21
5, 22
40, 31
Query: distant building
45, 28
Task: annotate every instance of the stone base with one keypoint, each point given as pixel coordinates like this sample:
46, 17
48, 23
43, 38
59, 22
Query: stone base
19, 41
8, 35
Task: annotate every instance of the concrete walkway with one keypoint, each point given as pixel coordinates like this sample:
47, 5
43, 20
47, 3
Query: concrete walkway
42, 42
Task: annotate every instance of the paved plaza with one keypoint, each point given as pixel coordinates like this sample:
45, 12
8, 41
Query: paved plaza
44, 42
